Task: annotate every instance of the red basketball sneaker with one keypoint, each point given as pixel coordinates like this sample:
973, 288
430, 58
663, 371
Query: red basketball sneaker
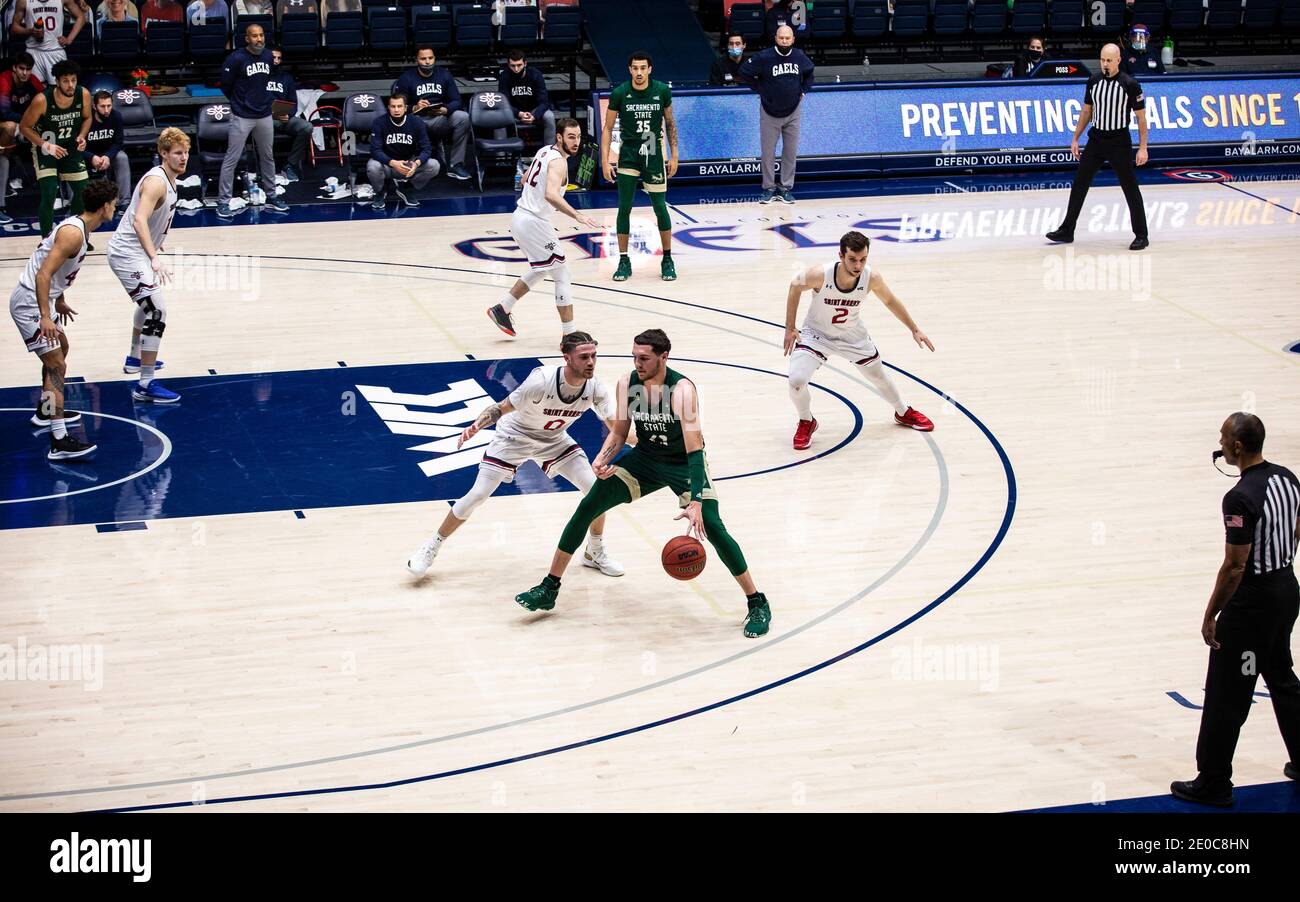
914, 419
803, 435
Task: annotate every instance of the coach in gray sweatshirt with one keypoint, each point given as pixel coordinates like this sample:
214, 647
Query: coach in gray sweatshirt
781, 75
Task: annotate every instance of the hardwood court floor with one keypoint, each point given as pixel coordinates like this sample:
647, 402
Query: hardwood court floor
249, 654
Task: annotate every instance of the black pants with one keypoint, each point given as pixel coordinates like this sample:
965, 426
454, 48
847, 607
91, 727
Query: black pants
1254, 632
1117, 150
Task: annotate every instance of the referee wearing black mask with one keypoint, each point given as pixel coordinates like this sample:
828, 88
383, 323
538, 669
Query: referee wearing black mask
1107, 100
1255, 600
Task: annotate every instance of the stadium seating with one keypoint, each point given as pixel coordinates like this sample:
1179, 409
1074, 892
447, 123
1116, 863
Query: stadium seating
828, 20
911, 18
1028, 17
989, 18
386, 27
472, 25
1110, 23
1261, 16
164, 43
870, 19
119, 42
1065, 17
1223, 16
138, 127
497, 144
1154, 14
299, 34
563, 30
1185, 17
344, 32
205, 42
746, 20
431, 27
951, 18
520, 27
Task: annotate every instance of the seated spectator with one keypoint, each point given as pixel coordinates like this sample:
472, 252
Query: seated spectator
338, 6
115, 11
208, 12
254, 8
400, 152
525, 88
726, 70
106, 147
1028, 58
437, 103
1138, 58
499, 9
160, 11
281, 86
17, 88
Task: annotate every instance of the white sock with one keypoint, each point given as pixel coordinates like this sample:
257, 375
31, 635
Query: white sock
146, 375
508, 302
879, 377
802, 399
595, 543
570, 326
58, 427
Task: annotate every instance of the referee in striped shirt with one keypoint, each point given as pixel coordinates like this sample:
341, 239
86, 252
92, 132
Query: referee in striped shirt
1255, 600
1107, 100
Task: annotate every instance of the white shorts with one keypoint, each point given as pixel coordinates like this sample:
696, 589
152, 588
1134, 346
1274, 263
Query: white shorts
860, 351
508, 452
537, 239
26, 315
44, 60
135, 272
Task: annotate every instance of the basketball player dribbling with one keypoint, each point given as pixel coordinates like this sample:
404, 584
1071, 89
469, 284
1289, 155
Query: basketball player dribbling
669, 452
134, 256
532, 230
833, 325
533, 424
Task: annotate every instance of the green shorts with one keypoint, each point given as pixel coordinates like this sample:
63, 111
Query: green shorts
651, 169
645, 473
71, 168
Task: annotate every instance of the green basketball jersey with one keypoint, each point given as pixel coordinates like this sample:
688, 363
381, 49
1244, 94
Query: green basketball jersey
658, 429
641, 119
60, 125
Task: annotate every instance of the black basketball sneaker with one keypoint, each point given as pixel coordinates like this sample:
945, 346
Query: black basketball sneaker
68, 448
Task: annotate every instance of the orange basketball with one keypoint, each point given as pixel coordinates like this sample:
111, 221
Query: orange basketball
684, 557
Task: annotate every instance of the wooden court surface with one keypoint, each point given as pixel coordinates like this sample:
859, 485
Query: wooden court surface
1066, 492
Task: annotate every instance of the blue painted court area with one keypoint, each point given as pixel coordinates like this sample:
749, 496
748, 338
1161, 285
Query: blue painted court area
258, 442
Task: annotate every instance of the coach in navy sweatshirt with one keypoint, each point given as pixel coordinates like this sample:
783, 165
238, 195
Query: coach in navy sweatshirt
281, 86
399, 150
781, 75
105, 146
525, 88
243, 80
435, 101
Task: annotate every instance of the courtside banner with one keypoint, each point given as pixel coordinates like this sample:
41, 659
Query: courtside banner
954, 126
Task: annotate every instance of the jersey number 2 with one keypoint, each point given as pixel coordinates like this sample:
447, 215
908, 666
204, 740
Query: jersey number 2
840, 315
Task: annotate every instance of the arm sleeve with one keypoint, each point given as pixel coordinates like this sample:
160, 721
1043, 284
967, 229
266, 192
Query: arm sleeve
695, 466
377, 141
452, 102
119, 135
543, 98
604, 402
749, 72
228, 75
1136, 100
1238, 519
1087, 94
422, 136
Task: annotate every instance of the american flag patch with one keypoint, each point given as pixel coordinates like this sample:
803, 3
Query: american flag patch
1234, 520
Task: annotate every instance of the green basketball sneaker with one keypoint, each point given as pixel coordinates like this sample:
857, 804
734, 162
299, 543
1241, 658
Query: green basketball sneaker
624, 271
667, 271
540, 597
760, 615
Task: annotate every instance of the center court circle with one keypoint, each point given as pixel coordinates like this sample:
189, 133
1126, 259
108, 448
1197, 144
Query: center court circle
33, 460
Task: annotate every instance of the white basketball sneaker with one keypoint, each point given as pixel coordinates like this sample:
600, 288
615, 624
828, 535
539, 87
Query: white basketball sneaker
600, 560
422, 559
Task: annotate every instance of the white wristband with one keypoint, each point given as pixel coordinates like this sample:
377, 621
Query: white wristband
47, 148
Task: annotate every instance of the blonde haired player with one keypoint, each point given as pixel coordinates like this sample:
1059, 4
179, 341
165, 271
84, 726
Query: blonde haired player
833, 325
531, 227
134, 255
533, 424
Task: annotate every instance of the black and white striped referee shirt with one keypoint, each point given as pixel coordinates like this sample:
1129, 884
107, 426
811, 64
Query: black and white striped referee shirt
1112, 100
1261, 511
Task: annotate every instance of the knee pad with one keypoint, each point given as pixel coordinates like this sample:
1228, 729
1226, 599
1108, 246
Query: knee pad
533, 277
660, 204
483, 487
563, 286
154, 322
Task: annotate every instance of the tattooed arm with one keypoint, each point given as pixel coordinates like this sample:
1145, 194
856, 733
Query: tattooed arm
671, 124
485, 419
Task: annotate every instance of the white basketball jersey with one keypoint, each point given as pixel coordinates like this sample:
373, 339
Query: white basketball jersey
836, 314
50, 14
125, 240
64, 275
533, 199
542, 415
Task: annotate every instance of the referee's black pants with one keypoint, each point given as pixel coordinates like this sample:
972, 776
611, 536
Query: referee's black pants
1117, 150
1254, 635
